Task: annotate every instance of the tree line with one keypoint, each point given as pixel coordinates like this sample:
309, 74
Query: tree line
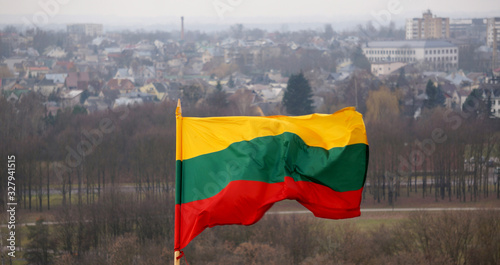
108, 177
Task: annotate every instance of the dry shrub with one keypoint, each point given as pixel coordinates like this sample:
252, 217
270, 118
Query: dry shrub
486, 240
257, 253
461, 237
320, 259
124, 250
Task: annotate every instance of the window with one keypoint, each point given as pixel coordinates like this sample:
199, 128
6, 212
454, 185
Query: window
455, 58
425, 52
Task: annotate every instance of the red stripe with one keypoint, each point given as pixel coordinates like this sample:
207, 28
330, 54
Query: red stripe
244, 202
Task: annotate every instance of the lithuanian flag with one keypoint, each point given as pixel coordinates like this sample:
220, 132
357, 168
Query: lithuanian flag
231, 170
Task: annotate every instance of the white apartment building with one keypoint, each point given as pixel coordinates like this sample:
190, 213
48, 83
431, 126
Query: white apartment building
437, 54
427, 27
92, 30
492, 23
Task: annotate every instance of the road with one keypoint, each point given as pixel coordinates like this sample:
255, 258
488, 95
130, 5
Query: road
362, 211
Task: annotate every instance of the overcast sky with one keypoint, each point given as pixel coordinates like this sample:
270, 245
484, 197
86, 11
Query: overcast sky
236, 11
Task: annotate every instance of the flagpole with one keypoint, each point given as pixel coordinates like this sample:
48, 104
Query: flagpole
178, 181
176, 260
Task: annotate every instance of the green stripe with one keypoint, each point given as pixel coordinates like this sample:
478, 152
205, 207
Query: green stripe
269, 159
178, 181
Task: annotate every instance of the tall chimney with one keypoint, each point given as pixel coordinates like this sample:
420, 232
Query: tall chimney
182, 28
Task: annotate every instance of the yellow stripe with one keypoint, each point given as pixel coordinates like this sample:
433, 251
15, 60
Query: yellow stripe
207, 135
178, 130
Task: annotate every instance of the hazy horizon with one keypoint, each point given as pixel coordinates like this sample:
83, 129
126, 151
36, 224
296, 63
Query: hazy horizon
218, 14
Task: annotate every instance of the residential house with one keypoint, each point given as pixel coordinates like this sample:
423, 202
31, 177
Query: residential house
385, 68
133, 98
55, 52
5, 71
51, 107
19, 84
122, 85
157, 89
46, 87
145, 72
77, 80
452, 99
269, 93
109, 96
36, 71
491, 92
93, 104
124, 73
458, 78
70, 98
63, 67
57, 78
495, 102
333, 77
15, 95
144, 96
15, 64
161, 68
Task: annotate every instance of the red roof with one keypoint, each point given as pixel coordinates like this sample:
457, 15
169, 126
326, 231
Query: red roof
75, 77
120, 84
66, 64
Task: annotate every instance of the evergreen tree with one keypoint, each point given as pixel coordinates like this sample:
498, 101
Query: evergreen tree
218, 86
440, 98
79, 110
475, 105
435, 96
359, 59
402, 78
191, 94
230, 83
84, 96
298, 96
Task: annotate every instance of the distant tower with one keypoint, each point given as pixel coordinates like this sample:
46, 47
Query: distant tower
182, 28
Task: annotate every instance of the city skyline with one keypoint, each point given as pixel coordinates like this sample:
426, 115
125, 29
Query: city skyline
200, 13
